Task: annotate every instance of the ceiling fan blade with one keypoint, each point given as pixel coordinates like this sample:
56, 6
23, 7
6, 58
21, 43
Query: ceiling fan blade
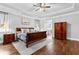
37, 9
45, 6
38, 5
34, 5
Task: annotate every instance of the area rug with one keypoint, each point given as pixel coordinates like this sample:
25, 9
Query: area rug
21, 47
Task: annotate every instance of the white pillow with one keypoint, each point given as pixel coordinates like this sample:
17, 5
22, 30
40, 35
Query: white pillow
25, 30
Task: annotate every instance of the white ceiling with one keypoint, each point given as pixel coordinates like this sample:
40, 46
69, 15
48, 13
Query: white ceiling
29, 9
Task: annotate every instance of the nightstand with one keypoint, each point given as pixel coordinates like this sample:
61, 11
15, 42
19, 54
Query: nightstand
8, 38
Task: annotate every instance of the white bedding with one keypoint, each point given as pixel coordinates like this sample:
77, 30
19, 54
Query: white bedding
22, 36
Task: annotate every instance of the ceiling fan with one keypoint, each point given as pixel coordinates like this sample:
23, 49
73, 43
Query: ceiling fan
42, 6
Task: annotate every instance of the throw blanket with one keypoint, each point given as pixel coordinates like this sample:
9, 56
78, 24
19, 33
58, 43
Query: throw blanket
22, 36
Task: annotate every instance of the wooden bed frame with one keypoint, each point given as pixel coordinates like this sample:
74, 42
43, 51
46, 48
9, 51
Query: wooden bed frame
33, 37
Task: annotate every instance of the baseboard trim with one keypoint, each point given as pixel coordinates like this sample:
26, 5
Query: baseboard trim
75, 39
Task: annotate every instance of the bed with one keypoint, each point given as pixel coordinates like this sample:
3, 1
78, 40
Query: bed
31, 36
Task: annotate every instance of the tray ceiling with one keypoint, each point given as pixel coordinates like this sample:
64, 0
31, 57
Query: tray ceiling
29, 9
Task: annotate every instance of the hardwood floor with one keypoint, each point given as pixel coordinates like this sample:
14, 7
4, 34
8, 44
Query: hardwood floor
8, 49
57, 47
60, 47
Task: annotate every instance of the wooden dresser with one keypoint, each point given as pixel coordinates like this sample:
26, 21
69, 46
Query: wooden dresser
60, 30
8, 38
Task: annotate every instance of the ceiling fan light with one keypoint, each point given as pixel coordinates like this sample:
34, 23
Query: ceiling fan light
42, 6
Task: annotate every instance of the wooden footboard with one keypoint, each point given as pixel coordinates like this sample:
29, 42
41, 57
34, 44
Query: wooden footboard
36, 36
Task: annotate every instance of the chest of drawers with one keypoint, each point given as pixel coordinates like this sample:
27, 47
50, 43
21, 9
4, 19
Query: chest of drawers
8, 38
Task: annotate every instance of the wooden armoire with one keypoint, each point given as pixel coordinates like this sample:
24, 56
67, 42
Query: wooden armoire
60, 30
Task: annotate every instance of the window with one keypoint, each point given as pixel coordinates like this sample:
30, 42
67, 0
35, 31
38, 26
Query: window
4, 23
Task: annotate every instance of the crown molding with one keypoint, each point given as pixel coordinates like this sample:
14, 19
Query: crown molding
48, 15
14, 12
18, 13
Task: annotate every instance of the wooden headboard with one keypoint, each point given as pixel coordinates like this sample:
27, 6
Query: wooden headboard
19, 29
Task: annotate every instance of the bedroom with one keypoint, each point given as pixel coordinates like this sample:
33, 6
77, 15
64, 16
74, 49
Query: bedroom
10, 22
28, 28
